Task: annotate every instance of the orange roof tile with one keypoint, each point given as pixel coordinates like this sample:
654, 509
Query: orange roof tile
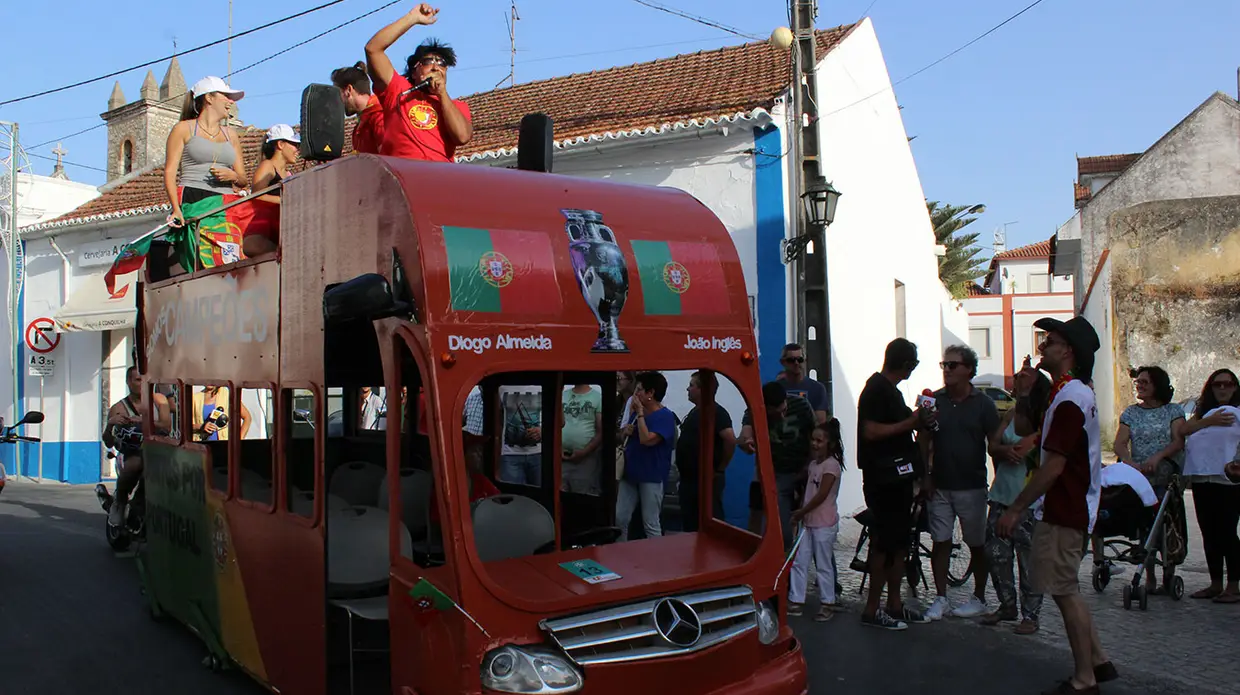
1080, 194
1042, 249
707, 86
976, 290
1105, 164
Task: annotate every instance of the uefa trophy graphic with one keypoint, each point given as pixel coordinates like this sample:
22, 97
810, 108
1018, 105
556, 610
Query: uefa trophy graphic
601, 274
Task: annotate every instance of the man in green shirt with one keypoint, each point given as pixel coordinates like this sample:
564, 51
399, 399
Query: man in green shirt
790, 423
580, 438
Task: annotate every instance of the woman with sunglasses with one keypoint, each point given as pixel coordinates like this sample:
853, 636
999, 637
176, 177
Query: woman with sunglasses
420, 120
1150, 438
1213, 437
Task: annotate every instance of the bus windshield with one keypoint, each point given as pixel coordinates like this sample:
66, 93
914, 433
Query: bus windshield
579, 464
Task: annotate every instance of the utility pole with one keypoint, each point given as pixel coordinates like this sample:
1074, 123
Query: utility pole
811, 305
227, 75
15, 333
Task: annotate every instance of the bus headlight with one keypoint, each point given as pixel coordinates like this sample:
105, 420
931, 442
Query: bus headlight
768, 623
512, 669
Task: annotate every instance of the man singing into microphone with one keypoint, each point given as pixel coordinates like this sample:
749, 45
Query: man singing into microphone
420, 120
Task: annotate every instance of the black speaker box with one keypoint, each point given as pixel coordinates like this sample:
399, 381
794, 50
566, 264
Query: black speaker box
535, 142
322, 123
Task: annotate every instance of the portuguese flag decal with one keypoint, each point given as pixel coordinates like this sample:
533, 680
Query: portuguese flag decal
680, 278
501, 271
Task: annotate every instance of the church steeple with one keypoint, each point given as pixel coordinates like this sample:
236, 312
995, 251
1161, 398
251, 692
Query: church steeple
138, 130
150, 90
117, 99
173, 87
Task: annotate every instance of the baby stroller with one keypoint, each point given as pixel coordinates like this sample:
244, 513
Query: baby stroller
1130, 532
959, 568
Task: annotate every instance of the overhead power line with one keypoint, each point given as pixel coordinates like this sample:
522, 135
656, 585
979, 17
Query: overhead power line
170, 57
241, 70
910, 76
694, 18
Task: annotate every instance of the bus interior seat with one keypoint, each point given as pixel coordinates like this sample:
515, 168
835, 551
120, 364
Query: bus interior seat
508, 526
357, 482
415, 494
357, 551
302, 502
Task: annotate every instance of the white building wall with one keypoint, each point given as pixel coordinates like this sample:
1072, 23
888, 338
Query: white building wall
1098, 312
1014, 277
986, 338
881, 234
41, 198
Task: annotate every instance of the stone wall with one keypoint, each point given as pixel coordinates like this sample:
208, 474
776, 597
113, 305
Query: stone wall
1175, 289
1198, 158
146, 124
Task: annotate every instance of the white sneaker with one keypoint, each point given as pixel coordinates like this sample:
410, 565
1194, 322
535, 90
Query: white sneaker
940, 609
116, 514
973, 608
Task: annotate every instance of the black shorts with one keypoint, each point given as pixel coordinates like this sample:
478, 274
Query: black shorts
891, 507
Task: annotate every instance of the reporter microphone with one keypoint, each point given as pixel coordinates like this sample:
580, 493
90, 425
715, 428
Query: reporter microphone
417, 87
926, 400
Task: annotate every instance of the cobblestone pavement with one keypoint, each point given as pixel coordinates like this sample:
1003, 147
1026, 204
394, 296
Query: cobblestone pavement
72, 621
1188, 643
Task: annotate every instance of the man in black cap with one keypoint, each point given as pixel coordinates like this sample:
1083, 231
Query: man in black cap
1067, 485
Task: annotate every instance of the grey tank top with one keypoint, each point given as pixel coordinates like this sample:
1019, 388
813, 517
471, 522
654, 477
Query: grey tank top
199, 156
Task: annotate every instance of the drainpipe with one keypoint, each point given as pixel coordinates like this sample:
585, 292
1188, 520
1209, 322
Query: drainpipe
67, 270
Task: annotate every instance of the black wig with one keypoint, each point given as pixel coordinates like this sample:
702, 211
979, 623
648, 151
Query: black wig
429, 47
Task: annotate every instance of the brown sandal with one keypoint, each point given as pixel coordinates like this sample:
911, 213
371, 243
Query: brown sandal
1208, 592
1026, 627
1227, 597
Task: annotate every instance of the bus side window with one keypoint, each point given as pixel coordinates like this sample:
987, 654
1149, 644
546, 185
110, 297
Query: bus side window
299, 412
256, 450
167, 418
212, 424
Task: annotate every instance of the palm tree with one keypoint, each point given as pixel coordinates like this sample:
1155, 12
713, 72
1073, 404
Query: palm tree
959, 266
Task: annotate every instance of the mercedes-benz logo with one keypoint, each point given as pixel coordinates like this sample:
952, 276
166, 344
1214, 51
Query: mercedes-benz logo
677, 622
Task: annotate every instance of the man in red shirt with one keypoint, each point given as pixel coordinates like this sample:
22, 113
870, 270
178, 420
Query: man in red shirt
422, 122
354, 86
1069, 481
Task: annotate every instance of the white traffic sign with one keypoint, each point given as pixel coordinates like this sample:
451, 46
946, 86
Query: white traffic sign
42, 366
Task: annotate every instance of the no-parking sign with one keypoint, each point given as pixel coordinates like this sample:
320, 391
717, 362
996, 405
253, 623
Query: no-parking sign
41, 335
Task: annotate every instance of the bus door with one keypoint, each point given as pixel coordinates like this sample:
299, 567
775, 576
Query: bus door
423, 576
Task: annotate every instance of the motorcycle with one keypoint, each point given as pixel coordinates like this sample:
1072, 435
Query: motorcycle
9, 435
120, 536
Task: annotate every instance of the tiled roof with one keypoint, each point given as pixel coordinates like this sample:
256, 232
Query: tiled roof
1042, 249
718, 84
1105, 164
730, 84
1080, 194
976, 290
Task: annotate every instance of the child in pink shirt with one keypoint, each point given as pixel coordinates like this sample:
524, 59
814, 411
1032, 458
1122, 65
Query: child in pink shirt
821, 517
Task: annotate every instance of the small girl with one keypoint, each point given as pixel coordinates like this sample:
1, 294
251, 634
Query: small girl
821, 517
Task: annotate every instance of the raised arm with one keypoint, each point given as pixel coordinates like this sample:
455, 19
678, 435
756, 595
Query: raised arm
377, 63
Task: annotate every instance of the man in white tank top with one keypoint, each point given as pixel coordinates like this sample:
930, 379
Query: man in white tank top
1068, 483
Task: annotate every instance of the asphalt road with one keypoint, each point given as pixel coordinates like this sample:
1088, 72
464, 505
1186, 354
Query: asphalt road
72, 620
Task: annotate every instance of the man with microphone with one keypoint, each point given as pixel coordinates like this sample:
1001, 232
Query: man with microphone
964, 428
421, 121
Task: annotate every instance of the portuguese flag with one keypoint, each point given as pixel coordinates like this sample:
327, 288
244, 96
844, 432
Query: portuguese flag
501, 271
681, 278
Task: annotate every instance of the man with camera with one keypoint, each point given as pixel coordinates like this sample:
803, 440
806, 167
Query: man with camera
123, 431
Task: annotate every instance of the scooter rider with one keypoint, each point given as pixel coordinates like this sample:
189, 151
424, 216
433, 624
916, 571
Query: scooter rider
126, 414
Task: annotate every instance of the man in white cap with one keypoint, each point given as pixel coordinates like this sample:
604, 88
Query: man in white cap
1069, 482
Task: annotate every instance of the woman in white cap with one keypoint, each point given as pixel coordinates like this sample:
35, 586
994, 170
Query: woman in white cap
281, 151
206, 153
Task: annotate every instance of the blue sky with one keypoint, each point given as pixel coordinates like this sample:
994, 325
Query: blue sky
1000, 123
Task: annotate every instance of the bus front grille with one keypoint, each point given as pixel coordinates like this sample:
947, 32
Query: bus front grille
665, 626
